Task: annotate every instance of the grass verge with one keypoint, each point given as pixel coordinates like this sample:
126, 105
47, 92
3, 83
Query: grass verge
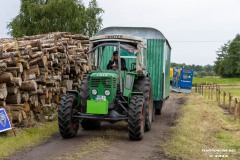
26, 138
220, 81
203, 126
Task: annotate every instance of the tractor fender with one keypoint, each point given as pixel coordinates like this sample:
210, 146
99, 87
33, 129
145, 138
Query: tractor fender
78, 97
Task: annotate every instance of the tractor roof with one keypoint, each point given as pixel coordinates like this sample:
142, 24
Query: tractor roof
143, 32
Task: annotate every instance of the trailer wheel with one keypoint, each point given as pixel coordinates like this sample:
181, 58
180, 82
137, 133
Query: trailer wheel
136, 118
145, 85
84, 93
159, 106
68, 126
90, 124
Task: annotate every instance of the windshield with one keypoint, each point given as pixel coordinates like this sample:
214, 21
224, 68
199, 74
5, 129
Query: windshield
102, 56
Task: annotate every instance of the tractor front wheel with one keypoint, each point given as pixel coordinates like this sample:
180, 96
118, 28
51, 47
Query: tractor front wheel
68, 126
136, 118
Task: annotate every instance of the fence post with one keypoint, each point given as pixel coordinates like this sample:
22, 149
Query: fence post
208, 92
202, 89
212, 93
235, 108
224, 97
219, 92
239, 109
230, 103
216, 94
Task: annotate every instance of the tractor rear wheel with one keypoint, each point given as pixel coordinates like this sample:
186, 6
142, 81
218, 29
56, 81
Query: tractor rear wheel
68, 126
90, 124
144, 85
136, 118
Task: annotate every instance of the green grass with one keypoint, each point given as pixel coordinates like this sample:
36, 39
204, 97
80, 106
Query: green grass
202, 125
219, 81
235, 92
26, 138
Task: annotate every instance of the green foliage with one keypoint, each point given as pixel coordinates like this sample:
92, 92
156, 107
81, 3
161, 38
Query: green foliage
228, 60
43, 16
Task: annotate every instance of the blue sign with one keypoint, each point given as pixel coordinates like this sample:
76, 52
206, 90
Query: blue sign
4, 121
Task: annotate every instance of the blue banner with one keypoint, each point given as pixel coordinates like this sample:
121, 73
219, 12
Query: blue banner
4, 121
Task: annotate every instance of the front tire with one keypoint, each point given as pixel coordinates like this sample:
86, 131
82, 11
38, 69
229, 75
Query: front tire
68, 126
136, 118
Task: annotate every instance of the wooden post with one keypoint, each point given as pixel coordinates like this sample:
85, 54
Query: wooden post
219, 101
239, 109
208, 92
212, 93
216, 94
202, 89
205, 94
230, 103
235, 108
224, 97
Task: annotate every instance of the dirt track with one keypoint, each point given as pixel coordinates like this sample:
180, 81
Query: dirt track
109, 143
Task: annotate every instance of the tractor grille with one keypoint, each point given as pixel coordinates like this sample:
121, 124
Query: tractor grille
106, 82
95, 82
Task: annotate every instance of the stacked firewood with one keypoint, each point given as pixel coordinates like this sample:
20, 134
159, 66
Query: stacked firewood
36, 70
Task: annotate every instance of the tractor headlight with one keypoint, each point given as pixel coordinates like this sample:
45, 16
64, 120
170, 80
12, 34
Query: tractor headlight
107, 92
94, 92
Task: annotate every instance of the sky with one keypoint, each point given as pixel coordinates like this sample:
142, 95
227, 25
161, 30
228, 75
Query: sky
194, 28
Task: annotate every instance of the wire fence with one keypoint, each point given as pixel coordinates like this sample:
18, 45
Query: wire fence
224, 99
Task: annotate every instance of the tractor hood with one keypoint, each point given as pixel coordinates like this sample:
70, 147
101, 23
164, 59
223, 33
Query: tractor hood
113, 74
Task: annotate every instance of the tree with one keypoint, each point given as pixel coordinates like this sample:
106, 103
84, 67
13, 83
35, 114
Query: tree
228, 60
43, 16
94, 20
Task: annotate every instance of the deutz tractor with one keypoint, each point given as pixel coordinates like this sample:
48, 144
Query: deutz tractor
111, 94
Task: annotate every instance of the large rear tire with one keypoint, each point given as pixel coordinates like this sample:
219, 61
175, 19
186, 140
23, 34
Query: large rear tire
144, 85
136, 118
68, 126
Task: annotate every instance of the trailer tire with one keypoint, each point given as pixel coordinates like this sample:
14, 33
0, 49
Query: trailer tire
84, 93
159, 105
90, 124
144, 85
136, 118
68, 126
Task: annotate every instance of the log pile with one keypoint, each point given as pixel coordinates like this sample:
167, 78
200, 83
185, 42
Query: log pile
36, 70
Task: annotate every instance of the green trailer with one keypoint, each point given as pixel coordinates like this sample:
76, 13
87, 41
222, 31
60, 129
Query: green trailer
158, 58
129, 80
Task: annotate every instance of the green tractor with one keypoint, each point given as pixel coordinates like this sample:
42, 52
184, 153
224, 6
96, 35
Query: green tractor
112, 92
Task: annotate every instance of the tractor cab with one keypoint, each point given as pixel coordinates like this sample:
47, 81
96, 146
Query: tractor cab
132, 50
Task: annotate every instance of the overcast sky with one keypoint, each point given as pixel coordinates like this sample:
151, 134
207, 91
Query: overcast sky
194, 28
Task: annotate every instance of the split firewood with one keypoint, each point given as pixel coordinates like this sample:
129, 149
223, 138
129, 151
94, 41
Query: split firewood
3, 91
6, 77
14, 98
29, 86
